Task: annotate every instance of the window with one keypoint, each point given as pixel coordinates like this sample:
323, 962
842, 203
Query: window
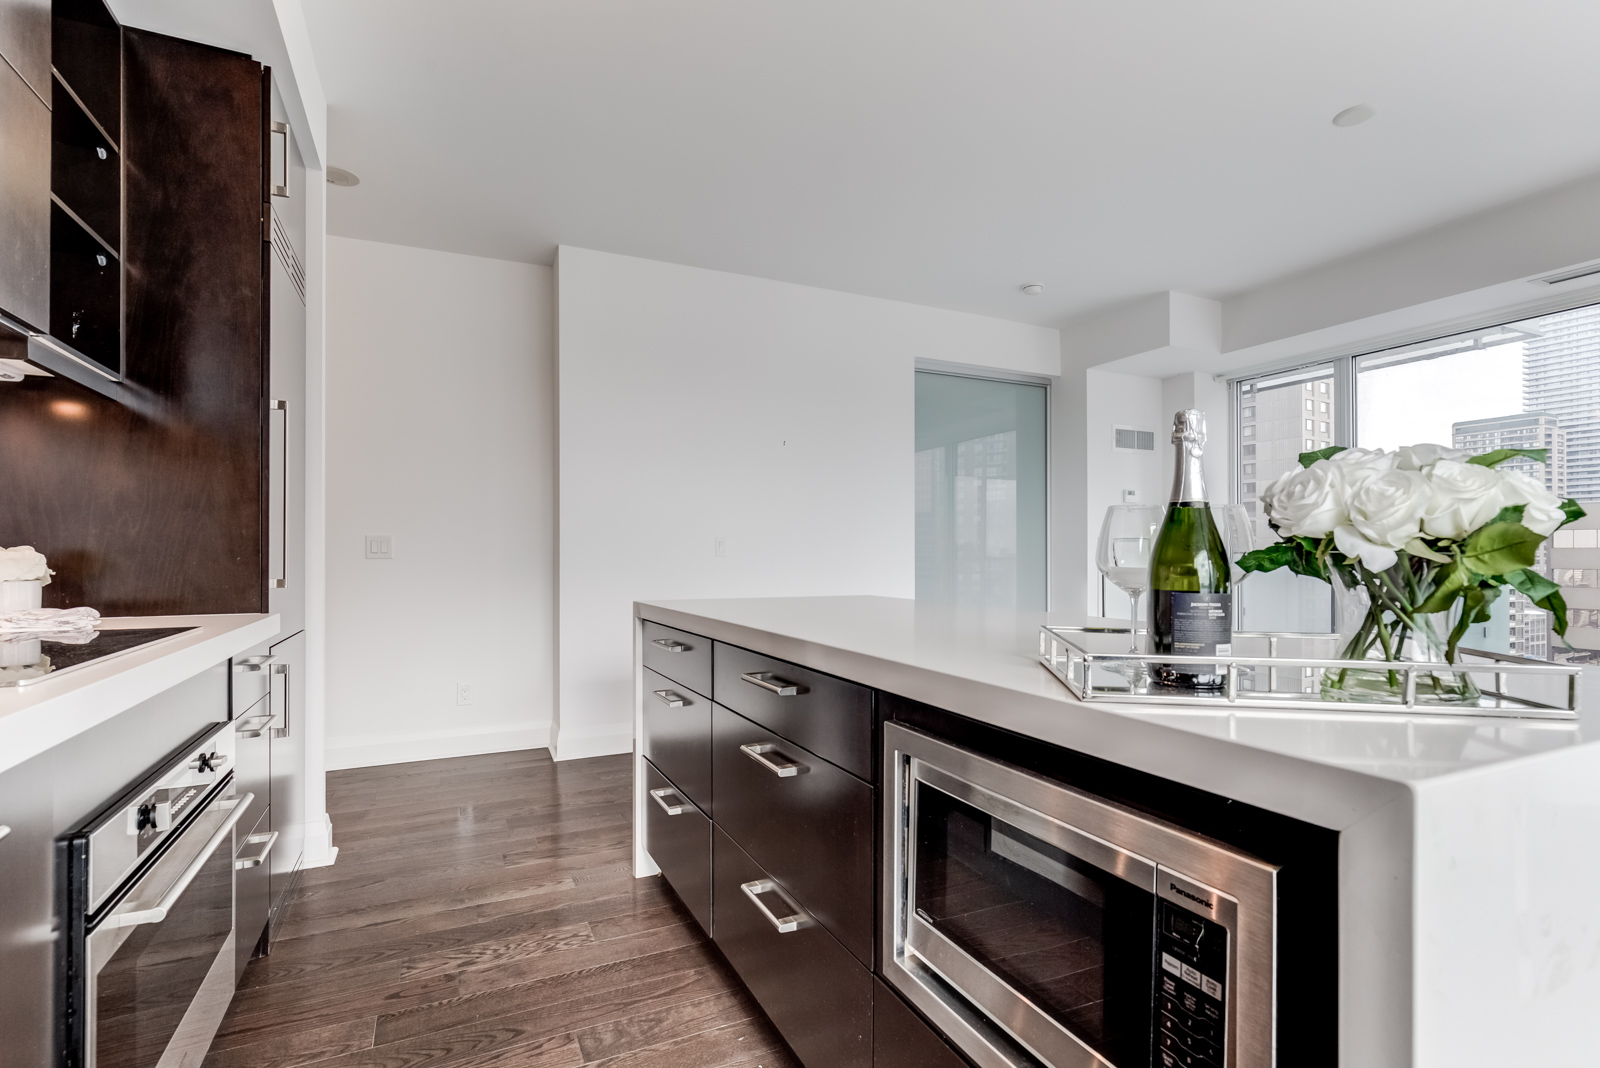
1249, 489
980, 490
1531, 383
1249, 412
1308, 402
1249, 450
1310, 424
1249, 469
1249, 431
1310, 444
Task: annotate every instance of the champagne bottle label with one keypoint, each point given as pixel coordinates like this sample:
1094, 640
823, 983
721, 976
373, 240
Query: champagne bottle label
1201, 624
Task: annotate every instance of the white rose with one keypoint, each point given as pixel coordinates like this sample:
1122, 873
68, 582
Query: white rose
1385, 514
1305, 501
1542, 512
1418, 457
1465, 497
1356, 467
22, 564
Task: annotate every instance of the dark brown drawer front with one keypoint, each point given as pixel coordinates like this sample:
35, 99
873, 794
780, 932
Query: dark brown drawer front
810, 827
902, 1039
818, 995
677, 735
682, 657
678, 838
829, 716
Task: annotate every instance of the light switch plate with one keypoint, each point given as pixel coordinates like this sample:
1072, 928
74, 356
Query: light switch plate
380, 547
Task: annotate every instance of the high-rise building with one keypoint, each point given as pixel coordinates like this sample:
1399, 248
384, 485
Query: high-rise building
1527, 430
1277, 422
1561, 377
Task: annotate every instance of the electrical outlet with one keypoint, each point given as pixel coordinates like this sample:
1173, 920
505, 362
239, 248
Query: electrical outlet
380, 547
1130, 496
721, 545
463, 693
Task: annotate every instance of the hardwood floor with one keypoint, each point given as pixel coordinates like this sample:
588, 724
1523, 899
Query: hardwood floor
483, 914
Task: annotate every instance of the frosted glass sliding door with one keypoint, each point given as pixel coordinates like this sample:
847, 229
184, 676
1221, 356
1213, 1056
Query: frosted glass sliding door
981, 533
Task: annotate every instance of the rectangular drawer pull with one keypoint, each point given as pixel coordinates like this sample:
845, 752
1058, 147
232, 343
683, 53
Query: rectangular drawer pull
264, 843
771, 683
670, 645
795, 920
786, 770
660, 796
668, 698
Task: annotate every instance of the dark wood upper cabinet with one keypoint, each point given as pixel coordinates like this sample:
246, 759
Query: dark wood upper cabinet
150, 497
24, 198
25, 41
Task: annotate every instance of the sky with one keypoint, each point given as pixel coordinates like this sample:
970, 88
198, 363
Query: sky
1417, 402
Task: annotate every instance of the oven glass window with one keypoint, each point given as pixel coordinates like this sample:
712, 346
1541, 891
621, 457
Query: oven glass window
147, 985
1068, 936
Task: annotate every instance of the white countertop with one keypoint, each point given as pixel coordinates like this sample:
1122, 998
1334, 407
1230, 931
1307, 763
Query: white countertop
1327, 768
43, 714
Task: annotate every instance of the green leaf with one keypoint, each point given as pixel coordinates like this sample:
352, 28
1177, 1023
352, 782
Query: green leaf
1268, 559
1510, 514
1306, 560
1500, 548
1499, 456
1544, 593
1309, 458
1451, 582
1573, 509
1418, 547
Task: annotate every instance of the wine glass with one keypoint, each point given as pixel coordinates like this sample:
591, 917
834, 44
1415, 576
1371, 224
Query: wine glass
1127, 537
1238, 529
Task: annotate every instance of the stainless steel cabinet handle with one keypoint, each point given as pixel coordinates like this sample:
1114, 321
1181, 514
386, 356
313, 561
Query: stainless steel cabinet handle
660, 796
279, 698
784, 924
758, 752
770, 682
175, 891
253, 726
253, 663
264, 843
669, 645
281, 581
4, 830
281, 129
668, 698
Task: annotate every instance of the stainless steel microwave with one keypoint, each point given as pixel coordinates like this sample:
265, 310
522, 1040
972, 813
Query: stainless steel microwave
1036, 924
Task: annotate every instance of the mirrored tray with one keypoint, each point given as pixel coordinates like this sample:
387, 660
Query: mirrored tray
1285, 670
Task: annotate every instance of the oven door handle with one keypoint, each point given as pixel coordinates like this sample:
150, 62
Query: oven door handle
175, 891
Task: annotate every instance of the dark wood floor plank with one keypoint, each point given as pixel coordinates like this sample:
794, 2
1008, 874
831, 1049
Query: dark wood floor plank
483, 914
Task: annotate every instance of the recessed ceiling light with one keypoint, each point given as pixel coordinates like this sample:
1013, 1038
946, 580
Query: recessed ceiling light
1355, 116
340, 176
1033, 289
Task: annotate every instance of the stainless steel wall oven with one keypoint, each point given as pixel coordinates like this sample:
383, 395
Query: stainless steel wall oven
145, 903
1038, 924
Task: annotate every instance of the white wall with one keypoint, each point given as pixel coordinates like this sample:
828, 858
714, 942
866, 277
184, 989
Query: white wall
441, 433
696, 405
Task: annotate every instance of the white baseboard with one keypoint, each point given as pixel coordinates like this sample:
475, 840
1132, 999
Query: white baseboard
372, 750
319, 848
575, 745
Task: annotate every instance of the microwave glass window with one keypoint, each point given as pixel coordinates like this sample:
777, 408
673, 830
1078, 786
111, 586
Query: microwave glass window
1072, 938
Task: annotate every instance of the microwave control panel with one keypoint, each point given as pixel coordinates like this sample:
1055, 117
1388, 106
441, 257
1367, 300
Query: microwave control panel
1191, 995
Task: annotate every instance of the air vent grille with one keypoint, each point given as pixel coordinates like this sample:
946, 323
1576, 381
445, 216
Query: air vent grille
1134, 440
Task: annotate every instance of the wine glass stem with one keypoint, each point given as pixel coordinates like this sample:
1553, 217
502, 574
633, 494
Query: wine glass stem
1133, 620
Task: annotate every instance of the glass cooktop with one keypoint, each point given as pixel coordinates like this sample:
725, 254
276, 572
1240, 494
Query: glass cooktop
26, 661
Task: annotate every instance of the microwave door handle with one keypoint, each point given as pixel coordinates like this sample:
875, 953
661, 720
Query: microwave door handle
175, 891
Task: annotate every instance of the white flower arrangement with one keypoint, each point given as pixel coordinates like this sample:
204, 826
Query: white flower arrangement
1419, 529
22, 564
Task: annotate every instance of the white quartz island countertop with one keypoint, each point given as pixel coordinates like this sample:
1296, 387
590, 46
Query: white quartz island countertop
1469, 849
50, 710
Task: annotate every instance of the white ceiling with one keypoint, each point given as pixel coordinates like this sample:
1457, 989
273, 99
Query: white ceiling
946, 152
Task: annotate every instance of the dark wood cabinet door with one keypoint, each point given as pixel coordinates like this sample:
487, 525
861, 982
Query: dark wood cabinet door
24, 200
159, 504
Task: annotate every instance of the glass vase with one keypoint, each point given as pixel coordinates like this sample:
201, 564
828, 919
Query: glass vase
1363, 630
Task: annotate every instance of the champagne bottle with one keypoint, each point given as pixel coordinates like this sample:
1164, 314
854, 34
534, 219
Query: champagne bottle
1191, 609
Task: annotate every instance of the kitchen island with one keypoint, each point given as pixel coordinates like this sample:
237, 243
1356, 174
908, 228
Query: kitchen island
1454, 919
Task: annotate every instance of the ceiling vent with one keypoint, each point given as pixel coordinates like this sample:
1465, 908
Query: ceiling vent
1570, 276
1129, 439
